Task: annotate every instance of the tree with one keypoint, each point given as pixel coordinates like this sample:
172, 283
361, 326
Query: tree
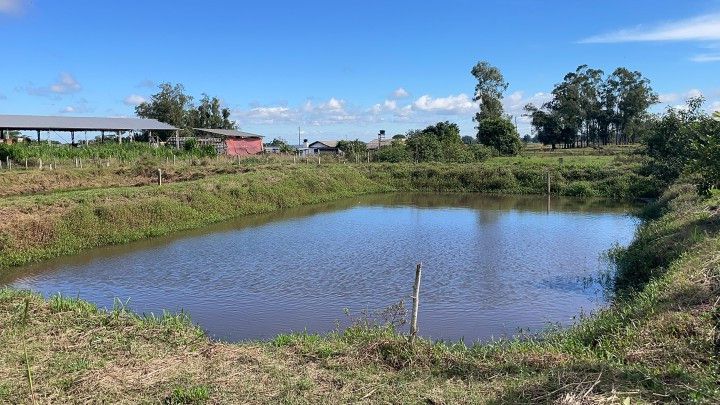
399, 137
424, 146
209, 114
395, 153
169, 105
468, 140
445, 131
172, 106
686, 141
489, 90
628, 96
353, 150
282, 145
500, 134
587, 108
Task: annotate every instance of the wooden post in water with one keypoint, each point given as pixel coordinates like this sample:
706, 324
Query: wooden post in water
548, 182
416, 303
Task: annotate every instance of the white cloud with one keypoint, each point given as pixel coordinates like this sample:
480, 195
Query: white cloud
701, 28
452, 105
715, 106
706, 57
400, 93
692, 93
333, 105
386, 106
667, 98
134, 100
65, 84
12, 7
80, 107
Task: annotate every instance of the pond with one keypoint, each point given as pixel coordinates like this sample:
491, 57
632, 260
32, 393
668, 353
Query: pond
492, 266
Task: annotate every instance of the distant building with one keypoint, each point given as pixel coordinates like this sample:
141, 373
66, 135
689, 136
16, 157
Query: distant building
373, 145
231, 142
324, 147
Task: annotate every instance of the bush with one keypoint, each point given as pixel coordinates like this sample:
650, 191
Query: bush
394, 153
579, 189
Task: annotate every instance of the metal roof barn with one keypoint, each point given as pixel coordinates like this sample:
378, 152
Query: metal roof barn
72, 124
55, 123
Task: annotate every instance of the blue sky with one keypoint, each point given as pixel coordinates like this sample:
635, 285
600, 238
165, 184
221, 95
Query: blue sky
342, 69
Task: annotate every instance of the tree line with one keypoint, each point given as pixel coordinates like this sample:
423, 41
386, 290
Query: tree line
589, 108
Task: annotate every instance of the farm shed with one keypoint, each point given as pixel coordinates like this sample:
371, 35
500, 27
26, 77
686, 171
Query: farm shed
40, 123
231, 142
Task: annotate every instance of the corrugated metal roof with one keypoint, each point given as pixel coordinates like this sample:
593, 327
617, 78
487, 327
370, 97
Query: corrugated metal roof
50, 123
229, 132
329, 144
374, 143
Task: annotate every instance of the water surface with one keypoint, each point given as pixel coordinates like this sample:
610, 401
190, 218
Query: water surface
492, 265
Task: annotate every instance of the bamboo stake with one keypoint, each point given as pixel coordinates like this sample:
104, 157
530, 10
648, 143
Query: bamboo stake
416, 303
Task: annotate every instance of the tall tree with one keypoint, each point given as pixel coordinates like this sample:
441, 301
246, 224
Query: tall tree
494, 128
210, 114
629, 96
169, 105
489, 90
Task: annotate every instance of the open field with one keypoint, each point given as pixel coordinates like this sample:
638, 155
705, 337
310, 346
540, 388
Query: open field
655, 346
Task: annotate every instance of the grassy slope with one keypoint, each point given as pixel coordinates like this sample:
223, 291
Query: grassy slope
658, 345
66, 221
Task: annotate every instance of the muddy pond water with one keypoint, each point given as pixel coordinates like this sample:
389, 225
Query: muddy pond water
493, 265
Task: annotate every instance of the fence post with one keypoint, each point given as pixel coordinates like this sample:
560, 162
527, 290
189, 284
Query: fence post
416, 303
40, 159
7, 162
26, 164
548, 182
159, 177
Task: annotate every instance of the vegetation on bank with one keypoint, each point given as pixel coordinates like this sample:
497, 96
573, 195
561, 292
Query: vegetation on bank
97, 153
656, 345
41, 226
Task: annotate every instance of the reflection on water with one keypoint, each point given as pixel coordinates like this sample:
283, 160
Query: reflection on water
492, 265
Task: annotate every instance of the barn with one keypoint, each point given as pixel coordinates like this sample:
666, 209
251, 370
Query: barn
231, 142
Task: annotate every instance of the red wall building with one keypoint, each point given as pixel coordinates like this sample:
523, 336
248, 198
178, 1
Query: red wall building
232, 142
243, 146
